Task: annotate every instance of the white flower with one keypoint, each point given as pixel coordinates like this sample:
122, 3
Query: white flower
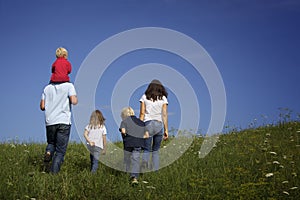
284, 182
293, 188
276, 162
273, 153
285, 192
150, 187
145, 182
269, 175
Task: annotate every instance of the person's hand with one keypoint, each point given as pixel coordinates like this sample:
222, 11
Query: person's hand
92, 144
166, 135
146, 135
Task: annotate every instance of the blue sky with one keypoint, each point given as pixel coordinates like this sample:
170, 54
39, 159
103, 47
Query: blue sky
254, 44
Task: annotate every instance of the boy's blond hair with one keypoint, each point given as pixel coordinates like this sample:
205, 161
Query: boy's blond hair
61, 52
126, 112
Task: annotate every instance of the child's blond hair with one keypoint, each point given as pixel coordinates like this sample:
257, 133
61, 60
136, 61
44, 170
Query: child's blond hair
96, 120
126, 112
61, 52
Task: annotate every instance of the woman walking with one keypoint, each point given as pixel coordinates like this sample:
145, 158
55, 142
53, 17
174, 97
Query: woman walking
154, 112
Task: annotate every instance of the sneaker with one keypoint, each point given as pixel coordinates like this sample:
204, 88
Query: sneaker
134, 181
47, 157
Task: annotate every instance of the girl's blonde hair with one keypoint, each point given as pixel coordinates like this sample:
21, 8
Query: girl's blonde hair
96, 120
61, 52
126, 112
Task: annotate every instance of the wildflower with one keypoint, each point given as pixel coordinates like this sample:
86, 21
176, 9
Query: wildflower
293, 188
269, 175
284, 182
12, 146
164, 147
284, 156
150, 187
294, 174
281, 166
268, 134
298, 131
285, 192
145, 182
276, 162
273, 153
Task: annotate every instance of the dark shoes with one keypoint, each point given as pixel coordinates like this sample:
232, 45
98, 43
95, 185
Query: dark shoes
47, 159
134, 181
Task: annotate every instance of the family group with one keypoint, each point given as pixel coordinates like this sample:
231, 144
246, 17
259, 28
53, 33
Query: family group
141, 135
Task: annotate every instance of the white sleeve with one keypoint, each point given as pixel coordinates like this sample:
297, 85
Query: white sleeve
43, 96
165, 100
72, 91
104, 130
143, 98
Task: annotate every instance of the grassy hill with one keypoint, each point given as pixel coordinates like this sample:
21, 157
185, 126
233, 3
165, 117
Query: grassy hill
261, 163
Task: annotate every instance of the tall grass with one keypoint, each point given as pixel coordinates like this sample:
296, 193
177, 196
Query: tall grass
261, 163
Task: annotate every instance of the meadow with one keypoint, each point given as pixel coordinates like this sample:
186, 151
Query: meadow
257, 163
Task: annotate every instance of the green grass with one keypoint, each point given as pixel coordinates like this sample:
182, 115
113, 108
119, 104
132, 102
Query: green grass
236, 168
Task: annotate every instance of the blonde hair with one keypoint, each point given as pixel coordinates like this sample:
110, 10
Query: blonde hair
96, 119
61, 52
126, 112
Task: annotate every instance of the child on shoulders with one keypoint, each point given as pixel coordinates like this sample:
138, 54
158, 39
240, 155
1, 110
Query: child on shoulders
61, 68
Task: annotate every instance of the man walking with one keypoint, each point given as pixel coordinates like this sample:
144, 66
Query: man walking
56, 101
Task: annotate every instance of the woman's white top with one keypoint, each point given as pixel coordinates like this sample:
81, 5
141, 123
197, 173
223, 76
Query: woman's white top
153, 108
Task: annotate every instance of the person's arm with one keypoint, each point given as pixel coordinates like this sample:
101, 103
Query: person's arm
87, 138
73, 99
42, 105
142, 111
123, 131
165, 120
104, 145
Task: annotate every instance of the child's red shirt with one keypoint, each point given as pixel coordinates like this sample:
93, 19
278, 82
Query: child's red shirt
61, 69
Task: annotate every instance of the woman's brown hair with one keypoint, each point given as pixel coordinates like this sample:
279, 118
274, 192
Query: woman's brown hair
155, 91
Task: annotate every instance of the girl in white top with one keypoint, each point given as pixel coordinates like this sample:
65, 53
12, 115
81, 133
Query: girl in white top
95, 135
154, 112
